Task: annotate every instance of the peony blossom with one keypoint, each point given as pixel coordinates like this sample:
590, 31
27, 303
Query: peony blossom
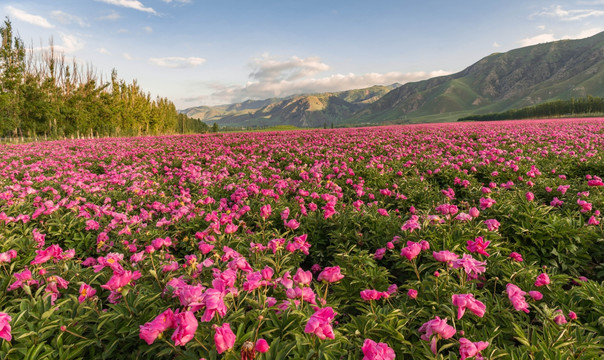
411, 251
471, 266
478, 246
262, 346
517, 257
516, 296
330, 274
542, 279
186, 325
224, 338
445, 256
151, 330
536, 295
86, 292
412, 293
468, 349
467, 301
5, 329
377, 351
320, 323
435, 329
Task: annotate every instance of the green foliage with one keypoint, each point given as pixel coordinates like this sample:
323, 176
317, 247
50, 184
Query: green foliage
588, 106
51, 99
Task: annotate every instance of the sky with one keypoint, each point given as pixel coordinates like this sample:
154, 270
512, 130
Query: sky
210, 52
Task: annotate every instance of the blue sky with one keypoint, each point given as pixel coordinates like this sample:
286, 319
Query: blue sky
204, 52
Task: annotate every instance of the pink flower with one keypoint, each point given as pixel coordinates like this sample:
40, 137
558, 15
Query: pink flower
186, 325
51, 252
542, 279
292, 224
379, 253
516, 296
445, 256
383, 212
468, 349
478, 246
514, 255
530, 196
370, 294
467, 301
262, 346
330, 274
320, 323
230, 228
7, 256
486, 203
556, 202
492, 224
151, 330
118, 280
86, 292
572, 315
560, 319
536, 295
5, 329
471, 266
224, 338
474, 212
159, 243
265, 211
303, 277
435, 329
411, 251
412, 293
377, 351
213, 300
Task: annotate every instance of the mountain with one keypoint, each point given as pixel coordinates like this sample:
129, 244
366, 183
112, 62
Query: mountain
314, 110
501, 81
498, 82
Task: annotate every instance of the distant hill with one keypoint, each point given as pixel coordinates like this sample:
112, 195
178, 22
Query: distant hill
521, 77
499, 82
314, 110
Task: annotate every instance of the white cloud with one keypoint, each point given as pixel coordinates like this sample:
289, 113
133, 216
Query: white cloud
112, 16
28, 18
127, 56
543, 38
537, 39
570, 15
148, 29
70, 43
103, 51
496, 44
175, 62
131, 4
268, 68
541, 27
66, 19
273, 78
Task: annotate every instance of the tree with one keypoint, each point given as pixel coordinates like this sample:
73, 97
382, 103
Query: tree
12, 68
215, 128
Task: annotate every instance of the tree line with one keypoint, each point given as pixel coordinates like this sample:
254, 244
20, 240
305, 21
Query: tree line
588, 106
44, 94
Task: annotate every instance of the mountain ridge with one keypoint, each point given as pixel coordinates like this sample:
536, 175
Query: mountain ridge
498, 82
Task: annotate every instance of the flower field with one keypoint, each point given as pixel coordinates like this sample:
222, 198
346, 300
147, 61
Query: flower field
448, 241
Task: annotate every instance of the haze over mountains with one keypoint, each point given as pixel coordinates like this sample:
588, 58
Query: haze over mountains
498, 82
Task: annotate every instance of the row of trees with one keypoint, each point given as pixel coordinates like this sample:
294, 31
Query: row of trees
43, 94
589, 106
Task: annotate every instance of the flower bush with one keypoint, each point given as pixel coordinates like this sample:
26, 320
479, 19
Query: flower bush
319, 244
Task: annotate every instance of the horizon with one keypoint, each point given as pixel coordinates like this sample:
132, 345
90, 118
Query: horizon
241, 51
